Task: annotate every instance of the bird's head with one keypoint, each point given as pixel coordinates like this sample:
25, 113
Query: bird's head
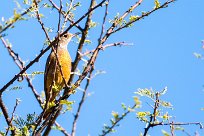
65, 39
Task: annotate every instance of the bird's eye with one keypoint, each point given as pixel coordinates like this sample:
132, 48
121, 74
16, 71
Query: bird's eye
65, 35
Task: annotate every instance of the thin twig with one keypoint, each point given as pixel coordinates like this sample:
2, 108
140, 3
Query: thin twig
59, 19
65, 15
62, 129
6, 116
80, 105
117, 121
12, 115
40, 21
172, 130
82, 17
153, 116
106, 46
104, 20
178, 124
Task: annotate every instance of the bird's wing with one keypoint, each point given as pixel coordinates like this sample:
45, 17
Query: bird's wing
50, 64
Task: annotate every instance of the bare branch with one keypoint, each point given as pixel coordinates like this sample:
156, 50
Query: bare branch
104, 20
59, 19
6, 116
62, 129
153, 116
86, 14
66, 15
80, 105
40, 21
14, 109
106, 46
131, 9
178, 124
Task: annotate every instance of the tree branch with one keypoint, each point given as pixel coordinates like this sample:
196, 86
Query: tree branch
22, 14
65, 15
16, 58
144, 15
106, 46
117, 121
6, 116
14, 109
81, 43
80, 105
153, 116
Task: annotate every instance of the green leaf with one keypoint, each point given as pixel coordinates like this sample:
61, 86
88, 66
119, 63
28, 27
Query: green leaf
143, 115
17, 4
115, 115
197, 55
165, 133
124, 106
137, 101
25, 131
133, 18
16, 15
2, 133
25, 2
166, 104
87, 41
45, 5
157, 4
179, 128
67, 103
146, 92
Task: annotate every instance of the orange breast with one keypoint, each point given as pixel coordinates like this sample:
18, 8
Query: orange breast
53, 77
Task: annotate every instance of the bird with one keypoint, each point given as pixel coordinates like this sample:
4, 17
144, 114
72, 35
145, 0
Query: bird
57, 70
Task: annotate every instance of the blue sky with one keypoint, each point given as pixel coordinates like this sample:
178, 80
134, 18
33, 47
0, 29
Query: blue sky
161, 55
